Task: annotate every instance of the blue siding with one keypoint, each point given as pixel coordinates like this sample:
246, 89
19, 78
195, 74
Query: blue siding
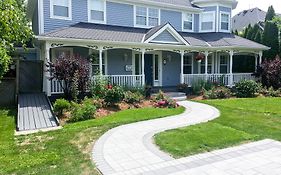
171, 71
35, 24
116, 62
81, 51
173, 17
165, 36
120, 14
211, 8
79, 14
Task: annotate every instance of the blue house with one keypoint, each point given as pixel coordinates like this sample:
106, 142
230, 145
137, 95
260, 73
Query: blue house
160, 43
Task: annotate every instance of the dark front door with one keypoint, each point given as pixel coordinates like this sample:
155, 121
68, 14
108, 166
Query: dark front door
148, 69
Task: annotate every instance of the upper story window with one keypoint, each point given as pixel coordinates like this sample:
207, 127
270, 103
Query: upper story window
187, 23
207, 22
225, 22
146, 17
97, 11
60, 9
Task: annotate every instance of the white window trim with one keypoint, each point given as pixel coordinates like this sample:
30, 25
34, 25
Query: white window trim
214, 22
193, 18
229, 25
191, 64
60, 17
219, 62
97, 21
147, 16
91, 51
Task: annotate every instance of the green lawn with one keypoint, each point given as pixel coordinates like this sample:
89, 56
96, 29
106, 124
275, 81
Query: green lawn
241, 121
66, 151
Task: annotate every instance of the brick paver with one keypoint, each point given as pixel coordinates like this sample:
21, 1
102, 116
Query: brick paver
129, 149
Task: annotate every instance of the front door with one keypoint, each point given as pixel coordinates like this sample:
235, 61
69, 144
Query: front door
148, 69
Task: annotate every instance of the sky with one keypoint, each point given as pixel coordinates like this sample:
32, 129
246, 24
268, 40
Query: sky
262, 4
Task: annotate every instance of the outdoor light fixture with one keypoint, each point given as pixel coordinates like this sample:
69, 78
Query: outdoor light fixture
164, 61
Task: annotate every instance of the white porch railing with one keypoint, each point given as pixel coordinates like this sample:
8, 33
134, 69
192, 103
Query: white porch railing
56, 87
224, 79
123, 80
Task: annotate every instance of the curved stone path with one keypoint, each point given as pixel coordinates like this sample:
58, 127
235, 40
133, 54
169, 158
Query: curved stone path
129, 149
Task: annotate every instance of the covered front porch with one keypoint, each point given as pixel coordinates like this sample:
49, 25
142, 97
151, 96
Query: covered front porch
157, 57
159, 68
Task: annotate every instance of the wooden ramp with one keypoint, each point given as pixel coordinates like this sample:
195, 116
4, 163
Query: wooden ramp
35, 113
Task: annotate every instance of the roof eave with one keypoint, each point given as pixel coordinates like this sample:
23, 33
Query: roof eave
150, 45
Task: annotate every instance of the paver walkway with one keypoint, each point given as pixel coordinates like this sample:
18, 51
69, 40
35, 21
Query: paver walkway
129, 149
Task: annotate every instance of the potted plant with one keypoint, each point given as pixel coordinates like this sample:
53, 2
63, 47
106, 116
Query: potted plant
200, 57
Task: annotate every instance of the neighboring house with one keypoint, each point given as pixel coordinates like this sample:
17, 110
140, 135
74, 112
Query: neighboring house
153, 42
246, 17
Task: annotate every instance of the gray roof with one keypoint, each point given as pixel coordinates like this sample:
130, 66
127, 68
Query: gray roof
246, 17
101, 32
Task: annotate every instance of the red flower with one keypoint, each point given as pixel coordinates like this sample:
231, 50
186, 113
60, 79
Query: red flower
109, 86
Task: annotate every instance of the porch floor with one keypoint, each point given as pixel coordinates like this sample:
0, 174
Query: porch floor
35, 113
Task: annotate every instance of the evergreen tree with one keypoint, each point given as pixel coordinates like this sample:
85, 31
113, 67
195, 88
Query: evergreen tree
236, 32
270, 38
258, 37
250, 33
270, 14
245, 33
255, 30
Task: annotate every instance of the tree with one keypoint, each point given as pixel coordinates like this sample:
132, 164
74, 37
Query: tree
14, 28
270, 38
270, 14
250, 33
246, 30
258, 37
73, 74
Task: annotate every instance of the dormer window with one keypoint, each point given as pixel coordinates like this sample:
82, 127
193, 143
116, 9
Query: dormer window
146, 17
60, 9
187, 22
225, 22
207, 22
96, 11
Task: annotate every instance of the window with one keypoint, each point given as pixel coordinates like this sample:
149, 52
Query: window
146, 16
207, 21
210, 59
58, 53
137, 64
225, 24
223, 64
97, 11
187, 64
95, 63
61, 9
187, 22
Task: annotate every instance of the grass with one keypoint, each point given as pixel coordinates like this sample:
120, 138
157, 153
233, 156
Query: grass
241, 121
66, 151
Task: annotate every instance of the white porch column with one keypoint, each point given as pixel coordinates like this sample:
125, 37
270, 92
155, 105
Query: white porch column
47, 73
182, 61
256, 62
260, 57
206, 61
142, 66
230, 68
100, 60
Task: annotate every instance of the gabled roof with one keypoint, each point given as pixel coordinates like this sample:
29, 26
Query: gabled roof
108, 33
155, 32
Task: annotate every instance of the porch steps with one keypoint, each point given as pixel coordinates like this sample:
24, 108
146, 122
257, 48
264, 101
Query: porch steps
35, 114
178, 96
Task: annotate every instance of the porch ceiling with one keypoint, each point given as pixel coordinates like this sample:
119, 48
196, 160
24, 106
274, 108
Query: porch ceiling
119, 34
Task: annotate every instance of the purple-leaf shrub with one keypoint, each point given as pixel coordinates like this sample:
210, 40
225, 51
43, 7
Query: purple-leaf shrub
270, 73
72, 72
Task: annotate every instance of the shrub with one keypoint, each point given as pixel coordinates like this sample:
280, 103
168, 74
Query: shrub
246, 88
114, 94
273, 93
200, 85
270, 73
60, 106
133, 97
182, 88
163, 101
99, 87
72, 72
218, 93
83, 111
98, 102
